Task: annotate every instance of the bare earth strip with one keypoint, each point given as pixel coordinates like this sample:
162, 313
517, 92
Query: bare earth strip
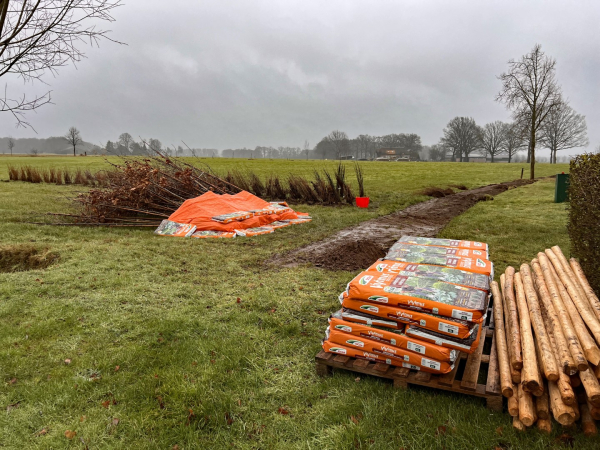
360, 246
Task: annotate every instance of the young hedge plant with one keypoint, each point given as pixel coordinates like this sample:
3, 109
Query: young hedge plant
584, 214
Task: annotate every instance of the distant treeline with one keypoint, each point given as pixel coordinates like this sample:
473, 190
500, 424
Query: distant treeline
54, 145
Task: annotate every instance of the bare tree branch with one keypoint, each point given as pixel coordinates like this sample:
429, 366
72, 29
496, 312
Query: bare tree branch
563, 129
39, 36
494, 138
530, 90
463, 136
73, 137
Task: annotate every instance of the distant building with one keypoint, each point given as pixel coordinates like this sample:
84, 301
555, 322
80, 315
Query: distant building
393, 153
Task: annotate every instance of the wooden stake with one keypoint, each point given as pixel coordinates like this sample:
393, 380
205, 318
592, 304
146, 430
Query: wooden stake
582, 304
542, 406
515, 374
563, 414
560, 346
501, 350
590, 349
588, 425
518, 425
566, 390
530, 376
544, 425
564, 383
576, 411
569, 272
541, 336
512, 313
594, 410
562, 314
591, 386
526, 408
585, 285
597, 371
513, 403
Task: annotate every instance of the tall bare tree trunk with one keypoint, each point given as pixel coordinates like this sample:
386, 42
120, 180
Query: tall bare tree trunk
532, 148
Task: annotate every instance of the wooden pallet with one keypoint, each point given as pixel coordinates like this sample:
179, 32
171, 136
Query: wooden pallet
463, 379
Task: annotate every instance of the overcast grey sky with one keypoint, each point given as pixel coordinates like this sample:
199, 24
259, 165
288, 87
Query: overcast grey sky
228, 74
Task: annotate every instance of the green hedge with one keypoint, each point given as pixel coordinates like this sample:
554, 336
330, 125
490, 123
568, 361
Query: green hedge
584, 215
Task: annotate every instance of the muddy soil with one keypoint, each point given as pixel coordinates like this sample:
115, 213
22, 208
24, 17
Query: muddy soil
360, 246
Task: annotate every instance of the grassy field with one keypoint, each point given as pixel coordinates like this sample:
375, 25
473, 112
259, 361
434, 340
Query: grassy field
391, 186
162, 353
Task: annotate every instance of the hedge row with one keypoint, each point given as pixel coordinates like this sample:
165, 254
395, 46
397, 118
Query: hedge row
584, 214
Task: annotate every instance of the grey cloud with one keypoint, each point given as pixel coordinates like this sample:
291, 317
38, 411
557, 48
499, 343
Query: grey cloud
232, 74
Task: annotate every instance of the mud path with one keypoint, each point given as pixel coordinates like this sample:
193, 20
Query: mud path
359, 246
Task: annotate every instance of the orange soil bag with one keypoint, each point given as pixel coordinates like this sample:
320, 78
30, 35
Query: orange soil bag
199, 211
437, 242
469, 264
415, 359
212, 234
468, 345
445, 325
400, 247
447, 274
421, 294
367, 319
394, 339
170, 228
361, 354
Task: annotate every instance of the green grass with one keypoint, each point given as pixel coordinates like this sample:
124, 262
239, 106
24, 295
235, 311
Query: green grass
165, 311
516, 225
391, 186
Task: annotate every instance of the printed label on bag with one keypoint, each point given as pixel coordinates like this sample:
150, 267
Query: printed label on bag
463, 315
415, 347
447, 328
435, 365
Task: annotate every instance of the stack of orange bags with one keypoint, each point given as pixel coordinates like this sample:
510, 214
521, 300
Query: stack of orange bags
417, 307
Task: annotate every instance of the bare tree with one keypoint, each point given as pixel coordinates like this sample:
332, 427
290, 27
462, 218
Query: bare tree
438, 152
37, 36
514, 141
494, 138
340, 143
530, 90
125, 140
11, 145
563, 129
73, 137
463, 136
156, 145
306, 148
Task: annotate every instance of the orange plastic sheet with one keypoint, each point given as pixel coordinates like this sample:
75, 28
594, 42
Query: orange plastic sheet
199, 211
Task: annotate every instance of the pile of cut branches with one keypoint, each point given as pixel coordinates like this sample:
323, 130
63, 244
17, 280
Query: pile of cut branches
326, 189
144, 191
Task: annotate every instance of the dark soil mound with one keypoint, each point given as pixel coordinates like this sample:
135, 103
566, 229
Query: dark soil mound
18, 258
436, 192
360, 246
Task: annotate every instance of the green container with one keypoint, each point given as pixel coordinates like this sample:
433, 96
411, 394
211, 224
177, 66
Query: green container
561, 192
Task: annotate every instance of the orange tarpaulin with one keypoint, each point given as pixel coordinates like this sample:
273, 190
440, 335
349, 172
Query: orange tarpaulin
199, 211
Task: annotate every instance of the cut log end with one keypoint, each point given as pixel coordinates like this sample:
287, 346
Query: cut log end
544, 425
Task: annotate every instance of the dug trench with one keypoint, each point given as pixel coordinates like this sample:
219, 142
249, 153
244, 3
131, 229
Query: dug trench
359, 246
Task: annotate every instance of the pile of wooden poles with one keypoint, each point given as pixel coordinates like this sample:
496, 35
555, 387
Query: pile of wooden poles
547, 332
